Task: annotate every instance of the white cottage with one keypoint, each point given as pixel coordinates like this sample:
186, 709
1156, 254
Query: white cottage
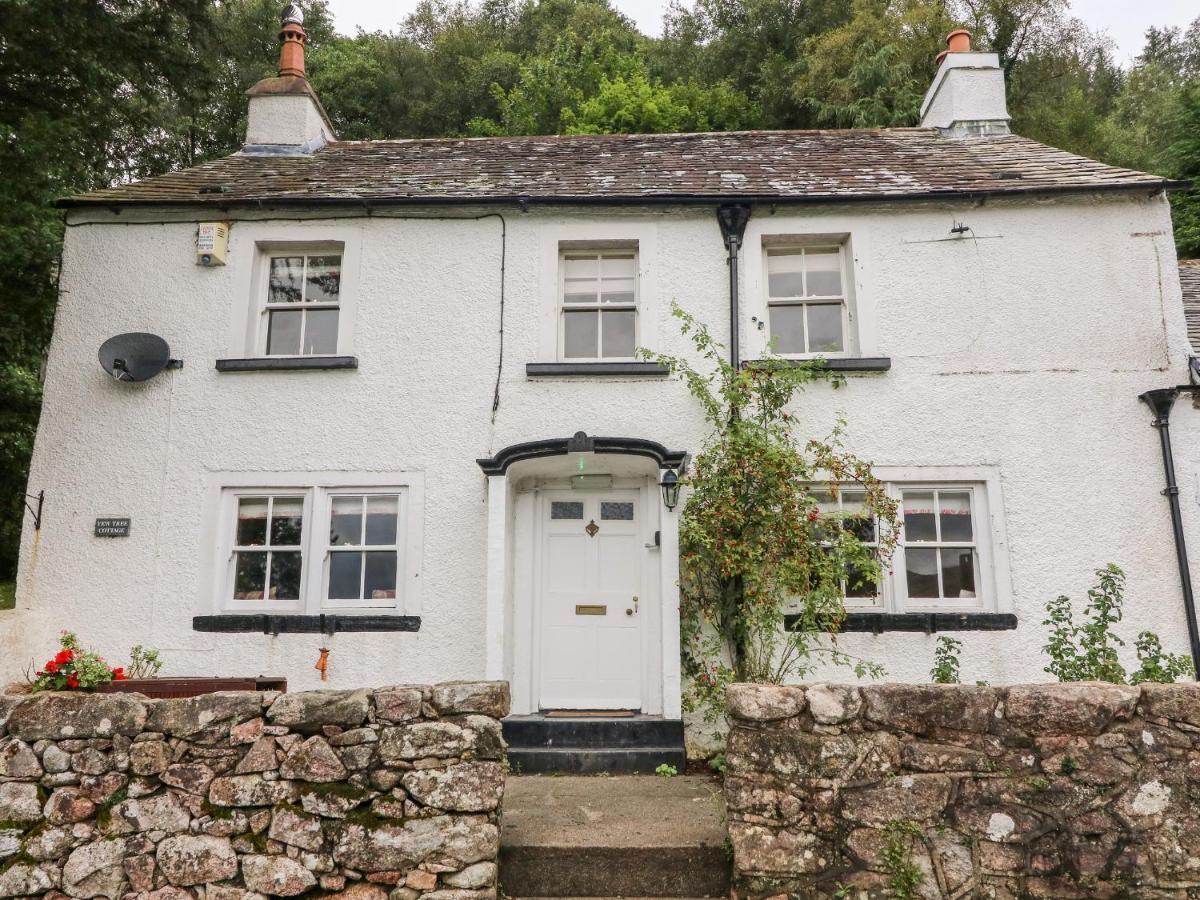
409, 425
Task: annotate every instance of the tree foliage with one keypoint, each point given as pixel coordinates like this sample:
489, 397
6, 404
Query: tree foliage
97, 93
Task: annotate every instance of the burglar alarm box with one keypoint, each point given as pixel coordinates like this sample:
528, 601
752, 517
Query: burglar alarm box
210, 243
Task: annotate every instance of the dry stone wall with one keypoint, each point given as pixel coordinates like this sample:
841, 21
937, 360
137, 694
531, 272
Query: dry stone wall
368, 794
949, 791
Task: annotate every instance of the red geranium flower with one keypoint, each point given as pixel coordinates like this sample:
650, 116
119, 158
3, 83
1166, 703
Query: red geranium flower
73, 680
51, 667
118, 673
64, 656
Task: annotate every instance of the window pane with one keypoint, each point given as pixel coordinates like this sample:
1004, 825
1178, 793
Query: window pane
580, 334
918, 516
621, 512
618, 332
252, 521
324, 279
824, 273
381, 575
287, 520
581, 267
250, 574
787, 329
824, 327
617, 290
344, 575
784, 278
954, 510
618, 267
285, 575
320, 331
283, 284
566, 509
283, 332
345, 521
921, 567
381, 520
958, 572
859, 585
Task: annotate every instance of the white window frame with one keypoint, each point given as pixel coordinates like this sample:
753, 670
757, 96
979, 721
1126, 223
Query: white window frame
324, 514
265, 604
781, 247
619, 233
598, 252
993, 581
984, 599
317, 489
261, 306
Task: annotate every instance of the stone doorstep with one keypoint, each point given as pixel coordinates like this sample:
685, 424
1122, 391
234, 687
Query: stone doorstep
632, 745
624, 836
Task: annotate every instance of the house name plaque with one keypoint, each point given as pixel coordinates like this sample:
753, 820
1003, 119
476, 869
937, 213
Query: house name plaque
113, 526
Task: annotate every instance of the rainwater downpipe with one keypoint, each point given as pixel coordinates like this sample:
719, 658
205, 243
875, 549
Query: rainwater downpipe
733, 219
1160, 402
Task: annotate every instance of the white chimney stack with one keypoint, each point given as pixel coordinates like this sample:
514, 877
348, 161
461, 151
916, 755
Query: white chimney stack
285, 116
967, 94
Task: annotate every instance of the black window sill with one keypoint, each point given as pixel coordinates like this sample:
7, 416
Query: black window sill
286, 363
641, 369
845, 363
296, 624
925, 623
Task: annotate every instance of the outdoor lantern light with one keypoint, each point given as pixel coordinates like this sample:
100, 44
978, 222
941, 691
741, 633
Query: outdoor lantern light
670, 488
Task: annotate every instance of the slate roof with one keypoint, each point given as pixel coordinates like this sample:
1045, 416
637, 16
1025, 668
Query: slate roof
765, 165
1189, 280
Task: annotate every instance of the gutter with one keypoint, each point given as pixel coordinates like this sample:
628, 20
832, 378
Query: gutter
215, 199
1160, 402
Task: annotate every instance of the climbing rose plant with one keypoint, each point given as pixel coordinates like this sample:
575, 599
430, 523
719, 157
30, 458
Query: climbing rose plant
754, 542
74, 669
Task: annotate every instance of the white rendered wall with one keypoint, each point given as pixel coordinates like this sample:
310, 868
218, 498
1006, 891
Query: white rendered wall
1020, 349
968, 87
284, 119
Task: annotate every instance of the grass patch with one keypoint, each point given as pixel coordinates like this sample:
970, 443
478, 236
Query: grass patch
8, 595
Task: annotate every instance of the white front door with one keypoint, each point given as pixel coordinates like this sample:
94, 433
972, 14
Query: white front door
590, 573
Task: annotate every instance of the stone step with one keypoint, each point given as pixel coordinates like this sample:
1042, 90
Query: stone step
612, 761
621, 836
589, 745
592, 732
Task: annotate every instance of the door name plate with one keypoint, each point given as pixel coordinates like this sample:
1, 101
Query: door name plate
591, 610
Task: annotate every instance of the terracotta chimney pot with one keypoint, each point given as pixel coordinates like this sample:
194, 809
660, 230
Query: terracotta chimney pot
291, 48
959, 41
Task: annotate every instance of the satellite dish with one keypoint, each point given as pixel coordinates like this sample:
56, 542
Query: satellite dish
136, 356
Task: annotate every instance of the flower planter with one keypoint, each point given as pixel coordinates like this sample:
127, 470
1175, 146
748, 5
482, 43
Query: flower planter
166, 688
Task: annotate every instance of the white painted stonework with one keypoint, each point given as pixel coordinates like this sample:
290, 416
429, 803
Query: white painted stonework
1017, 353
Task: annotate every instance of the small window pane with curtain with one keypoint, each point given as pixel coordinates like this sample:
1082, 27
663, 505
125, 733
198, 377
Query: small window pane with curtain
941, 558
302, 304
806, 300
599, 305
363, 556
268, 557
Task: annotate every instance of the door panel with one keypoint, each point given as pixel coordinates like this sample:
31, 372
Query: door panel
591, 626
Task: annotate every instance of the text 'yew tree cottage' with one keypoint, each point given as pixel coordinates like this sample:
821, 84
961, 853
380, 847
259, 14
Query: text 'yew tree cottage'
411, 424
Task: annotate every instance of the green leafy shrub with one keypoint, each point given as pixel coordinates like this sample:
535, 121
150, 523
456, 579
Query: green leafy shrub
666, 770
754, 541
144, 662
945, 661
1089, 652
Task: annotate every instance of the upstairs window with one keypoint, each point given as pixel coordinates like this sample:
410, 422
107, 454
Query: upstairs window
806, 300
599, 305
302, 304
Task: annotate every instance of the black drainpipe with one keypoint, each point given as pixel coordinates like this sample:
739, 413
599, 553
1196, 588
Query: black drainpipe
733, 221
1161, 401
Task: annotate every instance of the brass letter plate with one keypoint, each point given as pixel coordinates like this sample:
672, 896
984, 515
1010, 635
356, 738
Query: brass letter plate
591, 610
